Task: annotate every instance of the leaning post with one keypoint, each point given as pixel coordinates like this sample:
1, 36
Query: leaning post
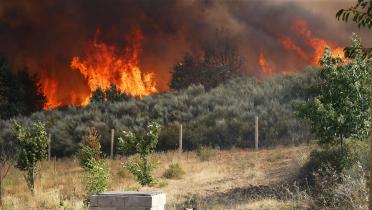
256, 133
112, 144
180, 140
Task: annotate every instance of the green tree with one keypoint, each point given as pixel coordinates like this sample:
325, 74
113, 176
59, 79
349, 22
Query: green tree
33, 143
90, 149
96, 178
90, 156
341, 106
113, 94
361, 13
140, 166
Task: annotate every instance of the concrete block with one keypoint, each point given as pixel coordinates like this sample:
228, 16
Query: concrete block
94, 200
128, 201
110, 201
103, 208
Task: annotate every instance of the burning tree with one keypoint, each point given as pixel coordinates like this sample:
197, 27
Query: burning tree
20, 93
221, 61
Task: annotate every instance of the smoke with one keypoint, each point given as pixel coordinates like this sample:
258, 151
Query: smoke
45, 35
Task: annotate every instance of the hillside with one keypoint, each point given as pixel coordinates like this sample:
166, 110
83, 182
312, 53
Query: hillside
221, 117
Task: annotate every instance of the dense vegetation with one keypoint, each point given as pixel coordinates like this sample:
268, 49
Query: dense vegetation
223, 116
20, 92
219, 61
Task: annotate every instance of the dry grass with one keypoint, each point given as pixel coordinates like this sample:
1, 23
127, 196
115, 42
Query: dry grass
203, 184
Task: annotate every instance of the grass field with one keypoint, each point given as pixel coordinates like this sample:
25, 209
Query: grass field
230, 179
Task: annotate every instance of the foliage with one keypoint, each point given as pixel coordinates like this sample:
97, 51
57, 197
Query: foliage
90, 148
20, 93
191, 71
143, 145
97, 178
346, 190
174, 171
205, 153
341, 106
361, 13
221, 61
223, 116
142, 169
334, 159
33, 143
110, 95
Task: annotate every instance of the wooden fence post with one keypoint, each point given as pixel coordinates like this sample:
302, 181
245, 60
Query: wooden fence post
256, 134
112, 144
54, 163
180, 140
49, 146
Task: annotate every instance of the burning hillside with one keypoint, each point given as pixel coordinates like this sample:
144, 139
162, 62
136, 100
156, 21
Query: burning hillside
139, 42
312, 56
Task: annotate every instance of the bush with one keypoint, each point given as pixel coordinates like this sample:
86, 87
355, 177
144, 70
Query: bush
143, 145
96, 178
174, 171
124, 173
345, 190
90, 149
205, 153
33, 143
222, 116
334, 159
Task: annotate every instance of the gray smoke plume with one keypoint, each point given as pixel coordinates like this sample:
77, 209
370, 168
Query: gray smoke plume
45, 34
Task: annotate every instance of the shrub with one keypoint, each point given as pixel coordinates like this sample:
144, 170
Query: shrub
174, 171
143, 145
90, 148
96, 178
345, 190
124, 173
205, 153
33, 143
222, 116
142, 169
335, 159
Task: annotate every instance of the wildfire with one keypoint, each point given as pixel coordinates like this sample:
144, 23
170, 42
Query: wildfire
301, 29
266, 68
50, 91
104, 65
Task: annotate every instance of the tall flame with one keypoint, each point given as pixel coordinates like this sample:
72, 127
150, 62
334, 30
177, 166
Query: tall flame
104, 65
266, 68
301, 29
50, 91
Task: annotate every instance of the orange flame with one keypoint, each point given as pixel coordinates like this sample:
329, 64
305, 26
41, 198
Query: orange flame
50, 91
103, 66
288, 44
266, 68
301, 29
